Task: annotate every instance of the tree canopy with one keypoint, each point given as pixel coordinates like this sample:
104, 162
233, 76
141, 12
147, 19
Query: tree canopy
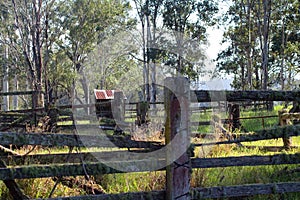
46, 45
264, 44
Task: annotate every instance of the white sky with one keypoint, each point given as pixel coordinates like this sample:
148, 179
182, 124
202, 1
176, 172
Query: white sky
214, 39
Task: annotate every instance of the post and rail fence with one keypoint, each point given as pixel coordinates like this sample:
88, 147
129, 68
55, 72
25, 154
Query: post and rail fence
178, 168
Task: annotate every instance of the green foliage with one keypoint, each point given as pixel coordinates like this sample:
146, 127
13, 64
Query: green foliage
189, 33
69, 31
244, 34
87, 23
108, 64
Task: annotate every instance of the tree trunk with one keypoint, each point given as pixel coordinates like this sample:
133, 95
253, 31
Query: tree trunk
15, 97
145, 70
148, 59
265, 52
5, 86
257, 78
249, 61
12, 186
243, 77
282, 79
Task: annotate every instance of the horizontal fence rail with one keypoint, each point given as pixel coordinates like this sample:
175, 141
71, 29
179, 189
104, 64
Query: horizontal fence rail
90, 167
49, 139
18, 93
71, 140
234, 96
265, 134
203, 193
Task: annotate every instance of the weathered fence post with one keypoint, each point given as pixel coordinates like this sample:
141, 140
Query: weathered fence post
34, 106
287, 141
177, 132
234, 116
141, 112
118, 107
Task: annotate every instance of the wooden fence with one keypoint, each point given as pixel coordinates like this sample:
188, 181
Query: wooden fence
15, 166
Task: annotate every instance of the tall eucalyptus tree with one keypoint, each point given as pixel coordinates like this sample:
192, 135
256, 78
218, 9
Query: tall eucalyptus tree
285, 46
272, 26
29, 19
188, 20
84, 25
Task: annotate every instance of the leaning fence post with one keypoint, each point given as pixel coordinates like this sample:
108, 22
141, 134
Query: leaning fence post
287, 141
141, 112
176, 93
118, 106
234, 116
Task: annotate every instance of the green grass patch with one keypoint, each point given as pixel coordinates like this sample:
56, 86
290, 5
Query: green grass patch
132, 182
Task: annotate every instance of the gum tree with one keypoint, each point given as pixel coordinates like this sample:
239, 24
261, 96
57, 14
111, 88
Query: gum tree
84, 25
187, 20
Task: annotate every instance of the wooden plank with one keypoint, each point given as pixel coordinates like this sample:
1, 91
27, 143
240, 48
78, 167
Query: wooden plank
48, 139
258, 117
270, 148
19, 139
207, 123
245, 190
203, 123
201, 193
63, 158
233, 96
153, 195
265, 134
79, 169
246, 161
43, 171
14, 114
17, 93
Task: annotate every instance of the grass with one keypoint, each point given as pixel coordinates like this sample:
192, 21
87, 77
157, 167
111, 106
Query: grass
40, 188
248, 175
132, 182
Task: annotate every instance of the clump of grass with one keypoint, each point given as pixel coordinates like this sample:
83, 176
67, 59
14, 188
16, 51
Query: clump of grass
245, 175
148, 132
132, 182
40, 188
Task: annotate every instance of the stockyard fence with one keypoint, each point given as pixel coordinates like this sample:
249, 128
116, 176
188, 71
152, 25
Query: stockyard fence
178, 160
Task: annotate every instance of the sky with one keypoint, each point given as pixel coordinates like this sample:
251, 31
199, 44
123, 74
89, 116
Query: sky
215, 36
213, 48
214, 39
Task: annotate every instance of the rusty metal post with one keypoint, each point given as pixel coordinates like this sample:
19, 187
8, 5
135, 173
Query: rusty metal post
177, 135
